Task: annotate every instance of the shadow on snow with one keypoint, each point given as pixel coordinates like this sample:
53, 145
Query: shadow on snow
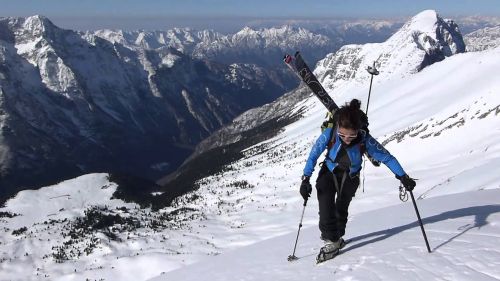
480, 214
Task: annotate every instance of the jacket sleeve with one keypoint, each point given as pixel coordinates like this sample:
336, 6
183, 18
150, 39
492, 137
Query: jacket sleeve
319, 146
379, 153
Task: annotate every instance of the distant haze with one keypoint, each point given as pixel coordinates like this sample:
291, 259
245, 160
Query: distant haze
225, 15
221, 24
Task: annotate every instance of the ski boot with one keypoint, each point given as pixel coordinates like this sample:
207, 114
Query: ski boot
330, 250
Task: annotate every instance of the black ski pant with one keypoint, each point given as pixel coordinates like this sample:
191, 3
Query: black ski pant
334, 200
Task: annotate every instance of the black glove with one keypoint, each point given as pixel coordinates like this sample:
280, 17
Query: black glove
407, 182
305, 188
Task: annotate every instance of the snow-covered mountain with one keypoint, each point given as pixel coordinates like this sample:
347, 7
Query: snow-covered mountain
470, 24
96, 98
184, 40
483, 39
92, 105
357, 31
267, 45
440, 122
264, 47
423, 40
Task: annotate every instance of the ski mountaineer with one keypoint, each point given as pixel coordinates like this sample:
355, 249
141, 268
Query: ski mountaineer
345, 142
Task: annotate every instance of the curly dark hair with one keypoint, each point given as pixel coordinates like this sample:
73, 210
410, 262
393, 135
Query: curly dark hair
350, 116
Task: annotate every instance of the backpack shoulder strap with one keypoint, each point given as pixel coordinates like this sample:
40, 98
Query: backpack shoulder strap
331, 142
362, 145
332, 139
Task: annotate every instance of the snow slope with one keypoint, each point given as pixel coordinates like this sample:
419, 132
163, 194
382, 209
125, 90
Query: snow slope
386, 244
442, 123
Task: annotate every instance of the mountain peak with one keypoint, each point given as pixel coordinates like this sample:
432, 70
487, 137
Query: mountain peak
423, 40
424, 21
428, 32
38, 22
431, 33
33, 26
246, 30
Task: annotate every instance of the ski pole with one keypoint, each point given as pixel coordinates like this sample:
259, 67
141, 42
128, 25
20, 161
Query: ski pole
420, 221
292, 257
373, 71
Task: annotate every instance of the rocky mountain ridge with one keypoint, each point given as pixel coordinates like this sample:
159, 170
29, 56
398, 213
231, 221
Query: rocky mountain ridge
263, 46
483, 39
72, 104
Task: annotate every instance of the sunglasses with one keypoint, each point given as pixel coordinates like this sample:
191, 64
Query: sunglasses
347, 136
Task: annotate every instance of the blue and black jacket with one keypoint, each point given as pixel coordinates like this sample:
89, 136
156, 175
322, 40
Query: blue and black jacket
354, 151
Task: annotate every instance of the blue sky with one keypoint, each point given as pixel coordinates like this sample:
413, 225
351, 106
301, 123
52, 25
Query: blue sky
91, 14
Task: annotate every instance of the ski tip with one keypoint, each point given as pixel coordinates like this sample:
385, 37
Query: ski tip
287, 58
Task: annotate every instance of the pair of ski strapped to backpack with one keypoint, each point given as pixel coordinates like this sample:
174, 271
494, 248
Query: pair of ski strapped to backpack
299, 67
